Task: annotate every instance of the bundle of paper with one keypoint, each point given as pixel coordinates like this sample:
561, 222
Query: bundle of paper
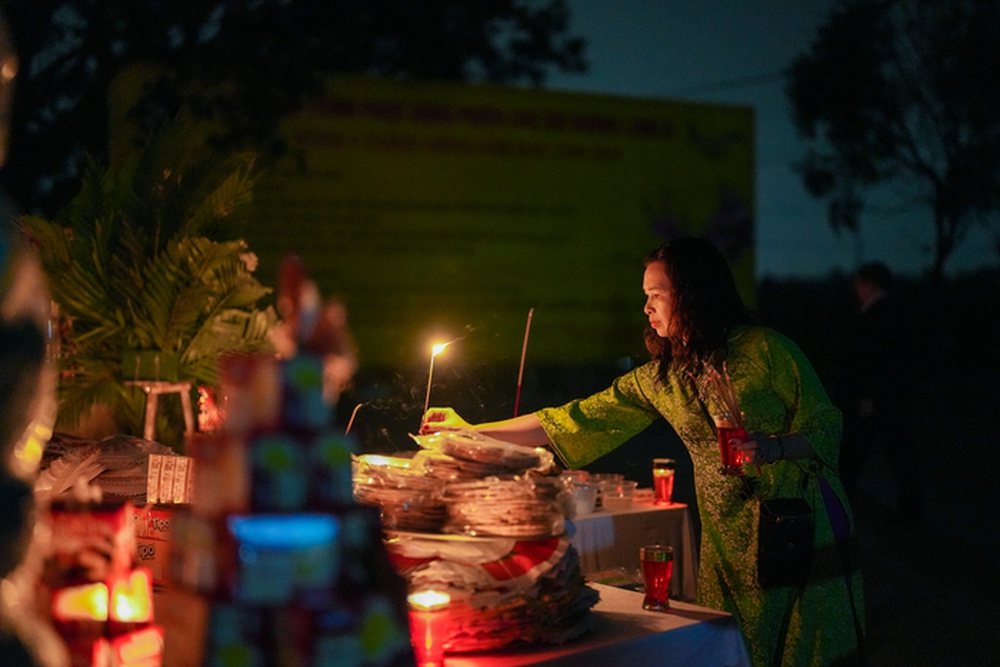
503, 591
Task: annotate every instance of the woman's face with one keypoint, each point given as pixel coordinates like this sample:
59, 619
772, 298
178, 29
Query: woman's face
659, 299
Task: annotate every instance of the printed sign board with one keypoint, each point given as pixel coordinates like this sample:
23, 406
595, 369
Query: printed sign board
439, 212
445, 211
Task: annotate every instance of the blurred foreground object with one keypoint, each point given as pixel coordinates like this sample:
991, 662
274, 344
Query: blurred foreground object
316, 328
273, 560
27, 411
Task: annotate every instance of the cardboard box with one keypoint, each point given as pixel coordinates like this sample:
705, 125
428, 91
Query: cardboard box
153, 528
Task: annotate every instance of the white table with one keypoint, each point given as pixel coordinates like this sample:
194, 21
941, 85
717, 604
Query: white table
608, 540
625, 634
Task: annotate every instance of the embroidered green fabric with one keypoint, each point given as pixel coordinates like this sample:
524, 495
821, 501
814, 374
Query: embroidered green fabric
778, 392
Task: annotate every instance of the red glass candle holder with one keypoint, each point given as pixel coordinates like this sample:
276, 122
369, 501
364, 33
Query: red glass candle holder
663, 480
732, 459
428, 612
657, 568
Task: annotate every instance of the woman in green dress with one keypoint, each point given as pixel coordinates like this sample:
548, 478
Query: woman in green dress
699, 329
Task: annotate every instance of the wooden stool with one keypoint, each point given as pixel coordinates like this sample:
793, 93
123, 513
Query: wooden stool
153, 389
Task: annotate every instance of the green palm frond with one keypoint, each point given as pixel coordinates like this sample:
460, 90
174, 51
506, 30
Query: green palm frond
220, 205
51, 241
145, 260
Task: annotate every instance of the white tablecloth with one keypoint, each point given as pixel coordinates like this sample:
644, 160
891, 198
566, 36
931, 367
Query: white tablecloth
625, 634
608, 540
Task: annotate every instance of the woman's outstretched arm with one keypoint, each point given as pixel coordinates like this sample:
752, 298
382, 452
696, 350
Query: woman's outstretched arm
524, 430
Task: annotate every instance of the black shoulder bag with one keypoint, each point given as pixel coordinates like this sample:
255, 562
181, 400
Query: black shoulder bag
785, 537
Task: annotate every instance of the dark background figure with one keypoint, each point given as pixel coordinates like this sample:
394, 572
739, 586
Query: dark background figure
877, 391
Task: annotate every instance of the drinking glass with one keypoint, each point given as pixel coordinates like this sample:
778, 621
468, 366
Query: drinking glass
584, 498
732, 459
603, 480
663, 480
618, 497
575, 475
657, 568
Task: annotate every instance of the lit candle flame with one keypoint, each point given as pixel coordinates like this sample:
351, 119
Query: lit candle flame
131, 598
142, 647
84, 602
428, 600
376, 460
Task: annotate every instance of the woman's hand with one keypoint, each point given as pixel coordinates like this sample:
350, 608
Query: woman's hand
525, 430
760, 448
442, 419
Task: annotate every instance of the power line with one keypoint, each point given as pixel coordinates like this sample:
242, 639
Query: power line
729, 84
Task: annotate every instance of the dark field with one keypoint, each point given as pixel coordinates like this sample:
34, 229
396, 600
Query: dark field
931, 589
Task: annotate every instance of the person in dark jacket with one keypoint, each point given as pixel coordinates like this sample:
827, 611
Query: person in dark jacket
878, 390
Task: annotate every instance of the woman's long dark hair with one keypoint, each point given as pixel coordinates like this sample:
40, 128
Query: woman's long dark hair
706, 305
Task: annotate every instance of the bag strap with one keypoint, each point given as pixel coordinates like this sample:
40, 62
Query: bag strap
834, 508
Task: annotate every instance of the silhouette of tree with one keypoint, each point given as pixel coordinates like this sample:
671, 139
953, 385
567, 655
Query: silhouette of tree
244, 64
903, 93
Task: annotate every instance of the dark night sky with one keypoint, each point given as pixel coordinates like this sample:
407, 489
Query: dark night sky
733, 52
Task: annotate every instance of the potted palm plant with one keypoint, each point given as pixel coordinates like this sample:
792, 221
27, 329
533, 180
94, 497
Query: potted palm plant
150, 277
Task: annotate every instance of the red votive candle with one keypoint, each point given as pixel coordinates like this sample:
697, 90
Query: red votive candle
132, 597
428, 626
657, 568
732, 459
663, 480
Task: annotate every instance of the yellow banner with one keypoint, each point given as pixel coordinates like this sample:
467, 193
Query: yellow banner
447, 211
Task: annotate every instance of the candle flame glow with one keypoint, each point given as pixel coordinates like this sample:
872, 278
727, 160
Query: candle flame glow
383, 461
85, 602
143, 647
131, 598
428, 600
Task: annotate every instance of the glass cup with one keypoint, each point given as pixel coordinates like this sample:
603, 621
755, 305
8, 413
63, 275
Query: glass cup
602, 480
618, 496
575, 476
584, 498
657, 568
732, 459
663, 480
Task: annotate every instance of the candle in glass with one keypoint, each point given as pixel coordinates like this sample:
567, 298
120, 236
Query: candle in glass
132, 597
657, 568
663, 480
428, 611
732, 459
